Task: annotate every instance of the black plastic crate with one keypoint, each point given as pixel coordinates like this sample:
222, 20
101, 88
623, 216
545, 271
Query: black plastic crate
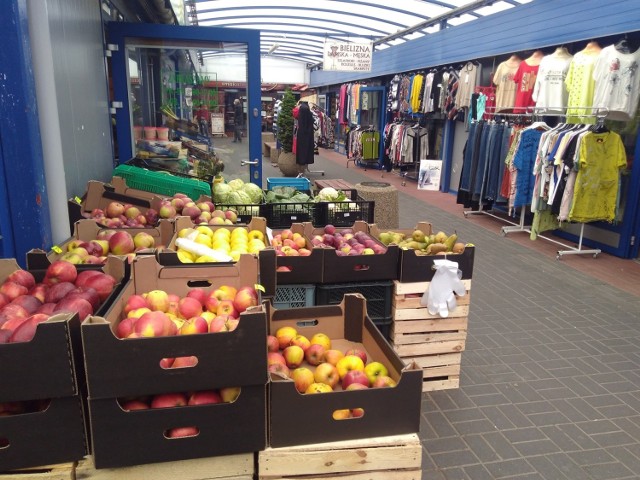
283, 215
245, 211
378, 295
343, 214
384, 325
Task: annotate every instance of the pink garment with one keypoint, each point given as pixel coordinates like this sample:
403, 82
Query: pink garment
525, 79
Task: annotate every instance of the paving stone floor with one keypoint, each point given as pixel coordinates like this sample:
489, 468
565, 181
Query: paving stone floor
550, 382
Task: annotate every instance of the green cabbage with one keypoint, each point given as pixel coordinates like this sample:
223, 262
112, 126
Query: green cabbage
234, 198
254, 192
245, 199
221, 192
236, 184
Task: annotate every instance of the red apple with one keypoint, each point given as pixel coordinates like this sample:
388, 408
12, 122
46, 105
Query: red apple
185, 362
83, 276
226, 307
4, 335
74, 305
333, 356
245, 297
189, 307
5, 301
133, 303
88, 293
27, 329
133, 405
315, 354
22, 277
47, 308
303, 378
199, 294
285, 335
280, 369
125, 327
168, 400
301, 341
158, 300
29, 303
102, 283
206, 397
275, 357
384, 381
194, 325
182, 432
212, 302
154, 324
219, 324
357, 352
12, 290
356, 386
58, 291
327, 374
272, 344
60, 271
121, 243
114, 209
330, 229
354, 376
105, 235
293, 355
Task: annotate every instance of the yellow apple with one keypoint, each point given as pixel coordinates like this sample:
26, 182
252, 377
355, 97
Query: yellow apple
349, 362
321, 339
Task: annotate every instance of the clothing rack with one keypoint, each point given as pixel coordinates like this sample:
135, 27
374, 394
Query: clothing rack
599, 114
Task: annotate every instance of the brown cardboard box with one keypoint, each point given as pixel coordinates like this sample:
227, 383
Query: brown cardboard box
298, 419
46, 437
357, 268
120, 186
301, 269
51, 364
121, 438
419, 268
131, 367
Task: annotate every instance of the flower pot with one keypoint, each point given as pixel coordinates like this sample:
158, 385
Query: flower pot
287, 164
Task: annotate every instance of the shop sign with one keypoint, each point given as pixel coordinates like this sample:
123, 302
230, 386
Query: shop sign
191, 89
348, 56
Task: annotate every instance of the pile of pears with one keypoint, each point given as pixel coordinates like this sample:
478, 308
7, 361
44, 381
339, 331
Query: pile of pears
434, 244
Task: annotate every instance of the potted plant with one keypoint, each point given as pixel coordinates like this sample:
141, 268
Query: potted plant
287, 159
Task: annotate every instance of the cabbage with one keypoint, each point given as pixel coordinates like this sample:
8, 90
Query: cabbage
254, 192
221, 192
236, 184
244, 197
234, 198
329, 194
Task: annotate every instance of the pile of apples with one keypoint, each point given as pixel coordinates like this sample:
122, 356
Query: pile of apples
19, 408
123, 215
160, 314
232, 242
200, 213
289, 244
348, 243
107, 242
24, 303
179, 399
317, 368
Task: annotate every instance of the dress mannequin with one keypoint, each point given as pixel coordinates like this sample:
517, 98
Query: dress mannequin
535, 58
561, 52
513, 61
592, 48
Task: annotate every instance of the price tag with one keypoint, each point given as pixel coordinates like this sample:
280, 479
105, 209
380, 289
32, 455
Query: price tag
56, 249
78, 200
259, 287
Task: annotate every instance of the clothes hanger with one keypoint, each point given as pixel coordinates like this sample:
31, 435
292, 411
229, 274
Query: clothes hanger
622, 45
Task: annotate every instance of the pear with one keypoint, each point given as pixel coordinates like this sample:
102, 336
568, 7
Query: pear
441, 237
418, 236
386, 237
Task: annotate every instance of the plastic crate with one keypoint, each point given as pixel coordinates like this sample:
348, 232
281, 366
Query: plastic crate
282, 215
245, 211
384, 325
303, 184
166, 165
343, 214
162, 183
378, 295
294, 296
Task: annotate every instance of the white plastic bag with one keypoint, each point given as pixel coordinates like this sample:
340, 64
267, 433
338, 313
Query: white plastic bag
440, 297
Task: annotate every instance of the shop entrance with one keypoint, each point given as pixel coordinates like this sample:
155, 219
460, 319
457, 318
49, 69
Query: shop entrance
371, 118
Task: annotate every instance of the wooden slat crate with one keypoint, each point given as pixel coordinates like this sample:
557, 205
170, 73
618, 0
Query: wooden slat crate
434, 343
380, 458
228, 467
63, 471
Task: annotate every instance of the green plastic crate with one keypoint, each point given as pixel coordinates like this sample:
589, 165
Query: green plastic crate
162, 183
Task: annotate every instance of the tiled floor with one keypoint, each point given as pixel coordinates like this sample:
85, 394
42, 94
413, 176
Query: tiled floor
550, 383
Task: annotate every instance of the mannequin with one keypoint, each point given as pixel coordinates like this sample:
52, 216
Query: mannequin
505, 86
525, 79
592, 48
513, 61
304, 136
535, 58
561, 52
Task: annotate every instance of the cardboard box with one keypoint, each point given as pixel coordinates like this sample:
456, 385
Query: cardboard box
123, 439
100, 195
357, 268
87, 230
51, 364
419, 268
267, 271
302, 270
297, 419
131, 367
54, 435
120, 186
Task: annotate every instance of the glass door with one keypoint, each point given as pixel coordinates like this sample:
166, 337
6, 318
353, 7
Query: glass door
371, 119
188, 98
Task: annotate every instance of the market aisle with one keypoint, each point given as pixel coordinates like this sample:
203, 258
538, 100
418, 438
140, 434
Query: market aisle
550, 387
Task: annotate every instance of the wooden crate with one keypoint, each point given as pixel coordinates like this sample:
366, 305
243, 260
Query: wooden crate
434, 343
228, 467
381, 458
63, 471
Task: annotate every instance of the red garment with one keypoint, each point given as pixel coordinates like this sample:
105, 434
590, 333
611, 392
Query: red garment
525, 79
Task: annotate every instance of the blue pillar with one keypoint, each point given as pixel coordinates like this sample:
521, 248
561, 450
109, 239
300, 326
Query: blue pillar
24, 207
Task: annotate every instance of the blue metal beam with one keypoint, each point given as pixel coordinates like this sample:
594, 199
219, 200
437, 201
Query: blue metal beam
24, 209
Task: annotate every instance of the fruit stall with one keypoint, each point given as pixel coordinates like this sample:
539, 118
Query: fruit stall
186, 335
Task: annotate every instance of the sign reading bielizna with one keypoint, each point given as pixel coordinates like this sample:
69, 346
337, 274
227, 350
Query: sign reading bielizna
348, 56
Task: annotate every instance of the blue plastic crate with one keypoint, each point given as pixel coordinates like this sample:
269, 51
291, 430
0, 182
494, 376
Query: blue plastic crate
302, 184
294, 296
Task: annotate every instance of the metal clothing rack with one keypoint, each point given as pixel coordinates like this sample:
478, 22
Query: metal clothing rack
600, 114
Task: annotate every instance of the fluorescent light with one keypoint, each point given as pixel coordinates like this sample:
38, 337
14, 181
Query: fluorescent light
273, 48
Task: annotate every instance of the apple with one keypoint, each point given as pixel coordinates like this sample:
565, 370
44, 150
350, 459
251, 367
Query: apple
169, 400
356, 386
4, 335
134, 302
12, 322
326, 373
39, 292
88, 293
359, 353
98, 247
22, 277
143, 240
275, 357
154, 324
357, 412
272, 344
341, 414
226, 307
29, 303
27, 329
185, 362
212, 302
199, 294
232, 323
189, 307
302, 377
58, 291
226, 292
230, 394
245, 297
182, 432
83, 277
121, 243
301, 341
74, 305
132, 405
174, 300
138, 312
205, 397
158, 300
12, 290
348, 363
102, 283
375, 370
354, 376
315, 354
330, 229
46, 308
318, 388
132, 212
166, 363
167, 211
285, 335
125, 327
114, 209
194, 325
219, 324
322, 339
333, 356
383, 381
280, 369
293, 355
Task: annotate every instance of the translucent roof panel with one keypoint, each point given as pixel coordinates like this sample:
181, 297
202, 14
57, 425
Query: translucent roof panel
298, 29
